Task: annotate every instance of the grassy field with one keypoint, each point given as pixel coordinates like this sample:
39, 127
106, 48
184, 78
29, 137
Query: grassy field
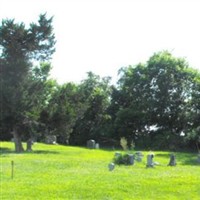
60, 172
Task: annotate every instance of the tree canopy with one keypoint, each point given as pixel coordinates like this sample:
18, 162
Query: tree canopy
22, 84
154, 104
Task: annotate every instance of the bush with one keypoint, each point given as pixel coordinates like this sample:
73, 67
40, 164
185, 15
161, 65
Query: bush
122, 159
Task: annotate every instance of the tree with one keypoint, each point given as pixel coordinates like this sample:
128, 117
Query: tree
153, 100
95, 94
63, 109
192, 111
21, 82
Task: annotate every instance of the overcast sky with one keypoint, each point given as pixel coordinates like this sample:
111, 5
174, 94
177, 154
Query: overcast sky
104, 35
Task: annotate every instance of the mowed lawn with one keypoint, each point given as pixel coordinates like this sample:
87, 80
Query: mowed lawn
64, 172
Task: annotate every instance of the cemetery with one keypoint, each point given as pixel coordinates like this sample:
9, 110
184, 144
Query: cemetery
67, 172
138, 138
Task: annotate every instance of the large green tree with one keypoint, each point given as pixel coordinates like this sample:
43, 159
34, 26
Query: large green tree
153, 100
22, 83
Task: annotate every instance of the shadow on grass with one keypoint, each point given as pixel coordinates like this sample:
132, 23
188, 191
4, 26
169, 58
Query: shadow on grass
44, 152
183, 158
188, 158
4, 151
166, 155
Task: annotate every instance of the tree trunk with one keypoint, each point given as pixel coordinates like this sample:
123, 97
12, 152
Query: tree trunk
29, 144
17, 140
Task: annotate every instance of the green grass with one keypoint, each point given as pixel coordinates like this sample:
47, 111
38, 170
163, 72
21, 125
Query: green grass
60, 172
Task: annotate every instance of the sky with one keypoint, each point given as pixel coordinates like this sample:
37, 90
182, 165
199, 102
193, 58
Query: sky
104, 35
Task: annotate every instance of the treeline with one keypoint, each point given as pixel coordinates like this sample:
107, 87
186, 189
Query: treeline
154, 105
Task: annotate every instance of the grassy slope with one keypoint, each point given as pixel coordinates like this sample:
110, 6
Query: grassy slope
59, 172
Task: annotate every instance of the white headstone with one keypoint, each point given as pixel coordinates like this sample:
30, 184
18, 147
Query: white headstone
111, 166
97, 146
91, 144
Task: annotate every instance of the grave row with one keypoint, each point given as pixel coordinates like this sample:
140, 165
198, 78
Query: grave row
129, 159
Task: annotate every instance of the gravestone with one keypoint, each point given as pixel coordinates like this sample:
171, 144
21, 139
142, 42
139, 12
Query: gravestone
150, 162
172, 161
131, 159
97, 146
51, 139
139, 156
198, 158
91, 144
117, 154
111, 166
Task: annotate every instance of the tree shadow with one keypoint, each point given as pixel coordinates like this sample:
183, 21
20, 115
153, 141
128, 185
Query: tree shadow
188, 159
166, 155
182, 158
4, 151
44, 152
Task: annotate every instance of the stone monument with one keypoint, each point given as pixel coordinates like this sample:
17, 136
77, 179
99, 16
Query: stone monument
91, 144
111, 166
150, 162
172, 161
50, 139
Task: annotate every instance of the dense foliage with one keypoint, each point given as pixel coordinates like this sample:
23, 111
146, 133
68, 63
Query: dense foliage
22, 86
154, 104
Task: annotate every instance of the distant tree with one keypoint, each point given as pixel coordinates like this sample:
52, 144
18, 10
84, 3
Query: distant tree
192, 111
63, 109
95, 94
22, 84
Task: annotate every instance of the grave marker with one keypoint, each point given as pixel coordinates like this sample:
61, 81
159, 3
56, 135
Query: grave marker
172, 161
131, 159
91, 144
111, 166
150, 162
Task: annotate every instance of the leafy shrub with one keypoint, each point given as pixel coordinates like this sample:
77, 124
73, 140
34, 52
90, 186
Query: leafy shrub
122, 159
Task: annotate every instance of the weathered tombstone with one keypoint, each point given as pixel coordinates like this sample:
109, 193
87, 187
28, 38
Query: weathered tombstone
139, 156
97, 146
172, 161
117, 154
51, 139
131, 159
91, 144
150, 162
111, 166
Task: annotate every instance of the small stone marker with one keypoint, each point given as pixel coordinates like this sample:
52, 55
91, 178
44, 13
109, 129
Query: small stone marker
172, 161
91, 144
97, 146
117, 154
111, 166
139, 156
51, 139
150, 162
131, 159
